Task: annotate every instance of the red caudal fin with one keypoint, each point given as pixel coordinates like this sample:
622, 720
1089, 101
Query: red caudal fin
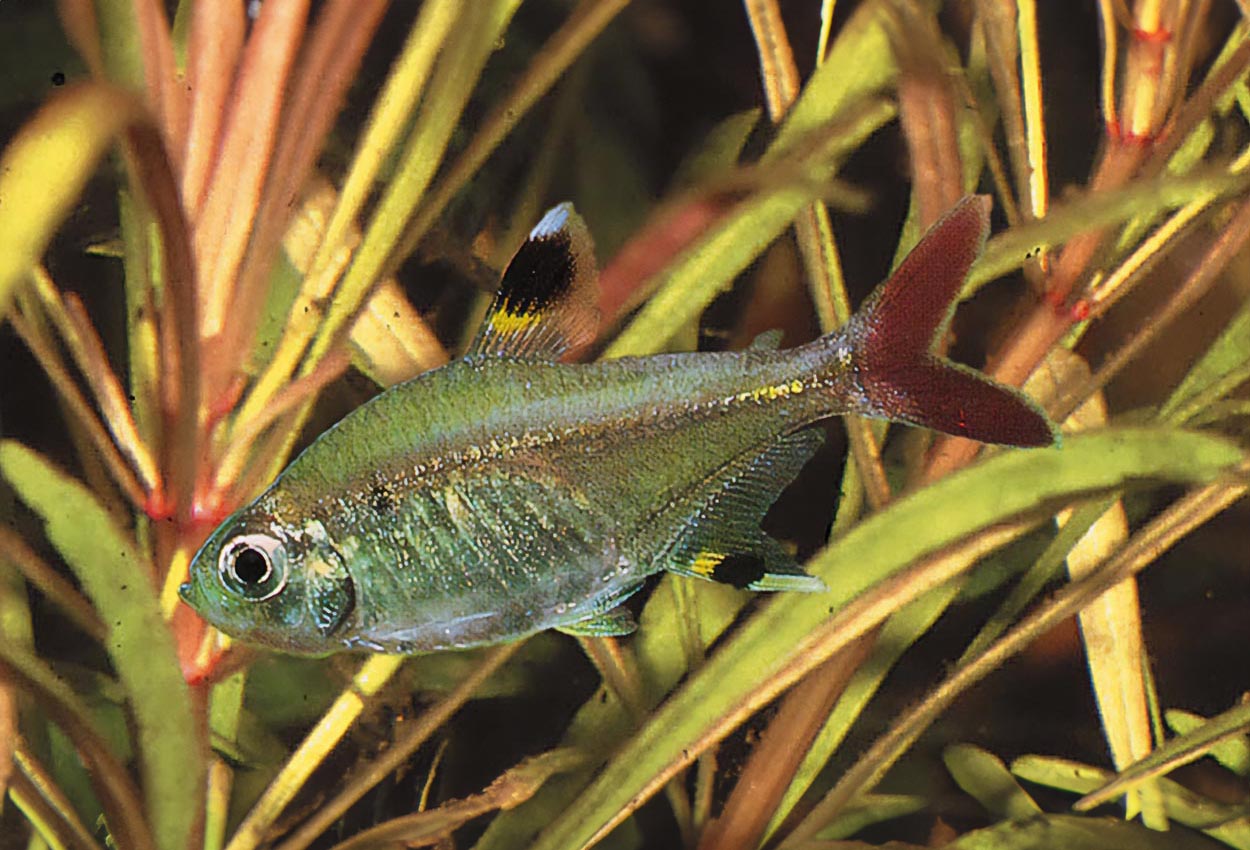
892, 338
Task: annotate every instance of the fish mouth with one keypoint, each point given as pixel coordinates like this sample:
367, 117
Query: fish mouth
186, 592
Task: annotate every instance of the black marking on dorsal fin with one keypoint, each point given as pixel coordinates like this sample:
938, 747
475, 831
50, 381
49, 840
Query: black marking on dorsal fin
723, 541
547, 300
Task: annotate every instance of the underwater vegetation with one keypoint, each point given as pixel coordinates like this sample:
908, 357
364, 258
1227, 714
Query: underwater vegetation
225, 226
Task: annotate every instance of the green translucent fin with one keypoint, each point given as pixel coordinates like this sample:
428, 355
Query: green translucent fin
613, 623
722, 540
547, 301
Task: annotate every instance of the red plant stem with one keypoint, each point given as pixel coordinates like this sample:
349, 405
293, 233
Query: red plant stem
235, 187
669, 232
1052, 317
781, 749
213, 53
328, 64
166, 94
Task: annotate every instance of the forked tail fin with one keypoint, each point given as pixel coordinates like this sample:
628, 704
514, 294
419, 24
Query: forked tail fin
892, 340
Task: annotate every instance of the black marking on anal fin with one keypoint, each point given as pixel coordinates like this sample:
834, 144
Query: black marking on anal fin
740, 571
614, 623
722, 540
547, 301
752, 572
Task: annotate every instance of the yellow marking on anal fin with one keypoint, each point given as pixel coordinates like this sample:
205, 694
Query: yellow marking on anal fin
705, 563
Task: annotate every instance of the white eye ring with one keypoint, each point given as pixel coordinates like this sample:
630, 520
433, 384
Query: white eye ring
253, 566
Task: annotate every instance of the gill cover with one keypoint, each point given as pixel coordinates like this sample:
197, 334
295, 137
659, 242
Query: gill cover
331, 599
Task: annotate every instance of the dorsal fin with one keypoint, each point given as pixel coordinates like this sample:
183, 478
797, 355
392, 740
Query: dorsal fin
547, 299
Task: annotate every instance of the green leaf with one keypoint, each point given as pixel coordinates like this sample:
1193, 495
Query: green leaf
140, 645
904, 628
792, 634
859, 63
602, 722
598, 726
1145, 199
44, 169
1223, 822
984, 776
1233, 753
1034, 581
1076, 833
461, 58
718, 151
110, 782
676, 608
121, 43
427, 827
1224, 366
872, 809
1189, 747
691, 283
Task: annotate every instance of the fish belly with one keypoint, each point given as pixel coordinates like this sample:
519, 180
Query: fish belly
478, 557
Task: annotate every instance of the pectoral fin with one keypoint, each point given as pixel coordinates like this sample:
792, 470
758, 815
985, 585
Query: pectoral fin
547, 301
613, 623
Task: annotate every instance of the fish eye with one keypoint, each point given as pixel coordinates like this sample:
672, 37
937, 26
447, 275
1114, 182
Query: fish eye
254, 566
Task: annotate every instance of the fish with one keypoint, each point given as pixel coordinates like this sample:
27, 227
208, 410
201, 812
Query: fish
509, 492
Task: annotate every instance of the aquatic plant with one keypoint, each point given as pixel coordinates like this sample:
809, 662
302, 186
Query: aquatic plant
262, 226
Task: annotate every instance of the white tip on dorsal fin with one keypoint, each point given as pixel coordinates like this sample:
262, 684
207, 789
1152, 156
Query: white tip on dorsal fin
547, 301
554, 220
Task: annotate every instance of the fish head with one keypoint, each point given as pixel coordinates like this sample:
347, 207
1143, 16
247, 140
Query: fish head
265, 582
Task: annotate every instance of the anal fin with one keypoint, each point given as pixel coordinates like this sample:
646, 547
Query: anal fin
614, 623
722, 540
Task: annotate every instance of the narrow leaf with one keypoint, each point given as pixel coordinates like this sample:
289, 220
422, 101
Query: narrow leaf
793, 634
1225, 823
701, 273
897, 635
985, 777
459, 65
1111, 632
118, 581
109, 779
1188, 747
1224, 365
1233, 753
44, 168
1076, 833
509, 790
872, 809
1148, 198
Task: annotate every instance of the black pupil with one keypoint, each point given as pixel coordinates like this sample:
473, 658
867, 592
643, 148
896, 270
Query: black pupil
251, 566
